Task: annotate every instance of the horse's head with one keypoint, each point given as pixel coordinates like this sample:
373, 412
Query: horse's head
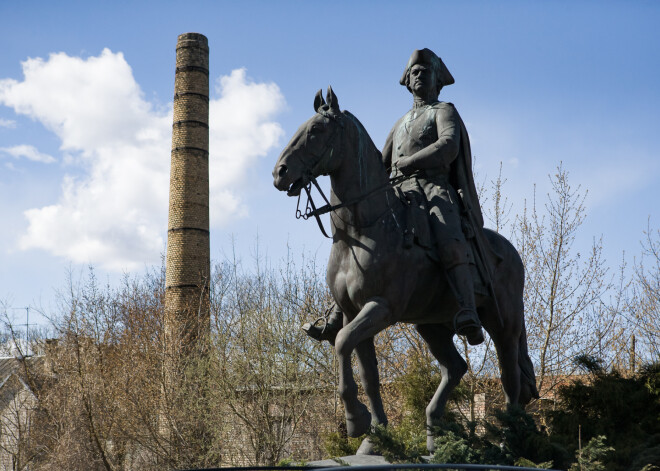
313, 149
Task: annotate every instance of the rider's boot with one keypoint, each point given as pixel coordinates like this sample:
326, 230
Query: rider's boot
466, 320
327, 330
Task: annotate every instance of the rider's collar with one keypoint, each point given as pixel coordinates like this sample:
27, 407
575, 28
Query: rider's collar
417, 105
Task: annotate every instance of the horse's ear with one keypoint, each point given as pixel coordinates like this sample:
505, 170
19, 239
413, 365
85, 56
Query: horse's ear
318, 100
332, 100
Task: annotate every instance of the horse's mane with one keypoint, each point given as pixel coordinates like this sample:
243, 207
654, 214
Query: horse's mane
364, 136
365, 148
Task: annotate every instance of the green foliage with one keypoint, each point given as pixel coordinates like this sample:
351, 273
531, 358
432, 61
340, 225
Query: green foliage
398, 445
520, 438
623, 409
336, 444
285, 462
288, 462
456, 444
649, 458
524, 462
590, 363
450, 447
650, 374
417, 386
593, 456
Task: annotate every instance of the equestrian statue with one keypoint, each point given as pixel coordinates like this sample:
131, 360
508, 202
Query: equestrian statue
408, 244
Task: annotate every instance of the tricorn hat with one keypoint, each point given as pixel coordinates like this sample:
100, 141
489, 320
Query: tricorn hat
427, 56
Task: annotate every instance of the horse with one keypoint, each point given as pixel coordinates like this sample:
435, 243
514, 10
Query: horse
378, 280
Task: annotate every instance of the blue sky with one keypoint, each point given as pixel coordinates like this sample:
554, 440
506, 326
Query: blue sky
85, 116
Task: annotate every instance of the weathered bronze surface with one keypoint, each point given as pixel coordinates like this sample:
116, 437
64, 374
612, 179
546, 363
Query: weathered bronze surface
412, 251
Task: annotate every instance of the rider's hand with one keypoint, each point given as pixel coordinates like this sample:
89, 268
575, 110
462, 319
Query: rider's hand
405, 166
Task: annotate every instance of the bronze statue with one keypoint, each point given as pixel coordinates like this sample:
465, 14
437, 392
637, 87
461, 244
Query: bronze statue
431, 142
410, 248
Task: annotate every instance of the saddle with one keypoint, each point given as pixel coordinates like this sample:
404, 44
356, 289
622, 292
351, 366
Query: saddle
417, 231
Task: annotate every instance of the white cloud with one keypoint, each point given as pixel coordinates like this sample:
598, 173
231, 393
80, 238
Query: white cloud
240, 132
7, 123
28, 152
115, 213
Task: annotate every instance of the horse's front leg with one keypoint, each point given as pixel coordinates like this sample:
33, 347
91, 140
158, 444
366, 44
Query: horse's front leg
374, 317
366, 355
368, 363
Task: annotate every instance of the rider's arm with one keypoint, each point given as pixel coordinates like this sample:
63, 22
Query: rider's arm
387, 151
441, 152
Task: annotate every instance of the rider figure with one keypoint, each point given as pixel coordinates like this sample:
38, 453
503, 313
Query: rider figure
430, 141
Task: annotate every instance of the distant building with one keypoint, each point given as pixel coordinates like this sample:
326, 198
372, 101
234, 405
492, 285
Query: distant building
18, 407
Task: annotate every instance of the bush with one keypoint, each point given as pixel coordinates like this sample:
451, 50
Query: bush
593, 456
623, 409
336, 445
398, 445
519, 437
450, 447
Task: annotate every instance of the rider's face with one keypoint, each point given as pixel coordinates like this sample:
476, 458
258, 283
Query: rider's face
422, 79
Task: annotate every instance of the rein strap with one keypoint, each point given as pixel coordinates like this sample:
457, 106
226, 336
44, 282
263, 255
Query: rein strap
312, 210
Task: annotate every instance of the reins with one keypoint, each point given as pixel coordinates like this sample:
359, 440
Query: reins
326, 155
312, 210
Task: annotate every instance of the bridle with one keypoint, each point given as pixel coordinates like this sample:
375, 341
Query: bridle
317, 169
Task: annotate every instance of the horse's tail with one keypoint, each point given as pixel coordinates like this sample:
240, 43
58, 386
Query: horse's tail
528, 389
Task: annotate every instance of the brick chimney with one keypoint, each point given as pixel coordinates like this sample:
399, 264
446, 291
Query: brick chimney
188, 253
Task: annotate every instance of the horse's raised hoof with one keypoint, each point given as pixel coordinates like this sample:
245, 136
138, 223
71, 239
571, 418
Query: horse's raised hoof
360, 423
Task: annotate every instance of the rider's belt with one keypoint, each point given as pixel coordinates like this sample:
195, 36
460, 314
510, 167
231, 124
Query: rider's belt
438, 175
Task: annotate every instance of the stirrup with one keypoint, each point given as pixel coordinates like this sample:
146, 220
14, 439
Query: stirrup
321, 333
326, 331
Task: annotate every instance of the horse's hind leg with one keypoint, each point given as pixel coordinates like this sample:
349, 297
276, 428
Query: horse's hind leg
507, 353
452, 367
506, 341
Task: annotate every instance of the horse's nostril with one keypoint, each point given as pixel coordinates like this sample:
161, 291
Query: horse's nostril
282, 171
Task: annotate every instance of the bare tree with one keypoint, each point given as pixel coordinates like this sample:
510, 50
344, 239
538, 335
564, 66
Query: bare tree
645, 306
564, 290
269, 375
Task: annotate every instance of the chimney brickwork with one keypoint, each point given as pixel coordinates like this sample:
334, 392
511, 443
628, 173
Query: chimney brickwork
188, 252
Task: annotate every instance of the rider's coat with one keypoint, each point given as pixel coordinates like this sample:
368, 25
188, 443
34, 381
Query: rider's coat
444, 187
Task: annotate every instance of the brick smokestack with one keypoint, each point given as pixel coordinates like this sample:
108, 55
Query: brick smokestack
188, 252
